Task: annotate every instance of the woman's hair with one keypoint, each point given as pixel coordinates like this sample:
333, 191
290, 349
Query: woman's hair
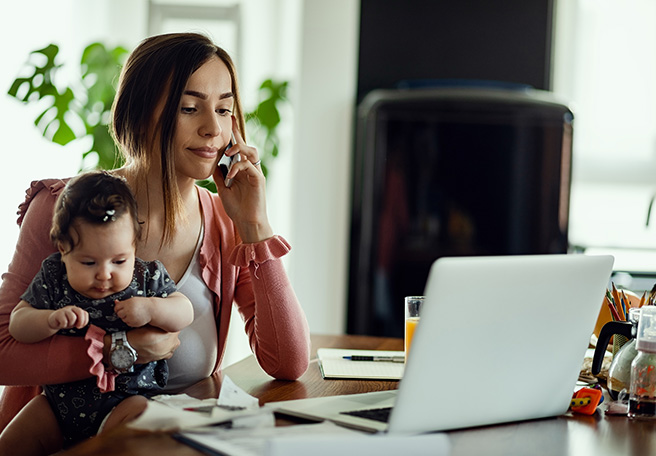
157, 72
95, 197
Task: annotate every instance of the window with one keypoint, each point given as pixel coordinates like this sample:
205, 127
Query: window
604, 68
221, 23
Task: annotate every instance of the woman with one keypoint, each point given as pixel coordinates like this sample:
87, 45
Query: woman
175, 110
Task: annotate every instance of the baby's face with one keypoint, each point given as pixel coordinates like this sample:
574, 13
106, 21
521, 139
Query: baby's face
102, 262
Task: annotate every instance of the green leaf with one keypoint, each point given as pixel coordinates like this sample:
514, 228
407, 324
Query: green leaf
63, 135
268, 114
44, 74
101, 69
15, 86
104, 147
208, 184
50, 52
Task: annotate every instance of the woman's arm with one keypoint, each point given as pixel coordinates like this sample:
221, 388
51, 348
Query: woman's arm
29, 325
151, 344
275, 322
57, 359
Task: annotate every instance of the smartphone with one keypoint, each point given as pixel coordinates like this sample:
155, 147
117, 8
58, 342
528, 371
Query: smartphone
225, 164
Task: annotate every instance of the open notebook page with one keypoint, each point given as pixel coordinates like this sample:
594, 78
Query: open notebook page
333, 365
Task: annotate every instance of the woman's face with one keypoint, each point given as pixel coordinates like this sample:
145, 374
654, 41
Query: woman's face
204, 120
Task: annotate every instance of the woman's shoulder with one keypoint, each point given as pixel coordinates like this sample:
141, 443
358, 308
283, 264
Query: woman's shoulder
44, 189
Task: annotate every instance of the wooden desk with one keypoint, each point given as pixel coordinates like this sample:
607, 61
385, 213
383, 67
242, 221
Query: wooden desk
575, 435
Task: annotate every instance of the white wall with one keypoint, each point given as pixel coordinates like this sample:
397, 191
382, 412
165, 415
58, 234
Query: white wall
322, 165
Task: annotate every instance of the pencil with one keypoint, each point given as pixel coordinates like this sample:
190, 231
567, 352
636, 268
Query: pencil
652, 292
618, 304
614, 304
642, 299
609, 296
626, 303
389, 359
616, 296
613, 310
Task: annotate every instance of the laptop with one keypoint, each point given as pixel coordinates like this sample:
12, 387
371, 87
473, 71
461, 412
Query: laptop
501, 339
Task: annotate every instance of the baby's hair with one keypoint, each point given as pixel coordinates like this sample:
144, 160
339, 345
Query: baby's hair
94, 197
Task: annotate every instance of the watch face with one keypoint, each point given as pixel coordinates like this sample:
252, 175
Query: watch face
122, 358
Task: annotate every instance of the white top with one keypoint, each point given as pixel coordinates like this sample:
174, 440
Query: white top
196, 356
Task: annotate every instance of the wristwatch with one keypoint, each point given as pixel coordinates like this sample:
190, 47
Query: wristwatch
121, 354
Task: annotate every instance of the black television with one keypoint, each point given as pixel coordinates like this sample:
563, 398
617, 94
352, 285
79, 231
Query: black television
451, 171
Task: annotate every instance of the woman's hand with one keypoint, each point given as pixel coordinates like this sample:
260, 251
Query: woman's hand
245, 201
151, 344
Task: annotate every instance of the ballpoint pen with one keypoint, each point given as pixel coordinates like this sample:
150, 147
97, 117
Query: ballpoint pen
389, 359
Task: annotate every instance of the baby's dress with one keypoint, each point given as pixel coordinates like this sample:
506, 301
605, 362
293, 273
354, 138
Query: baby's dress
80, 407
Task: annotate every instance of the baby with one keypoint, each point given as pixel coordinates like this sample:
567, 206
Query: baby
94, 278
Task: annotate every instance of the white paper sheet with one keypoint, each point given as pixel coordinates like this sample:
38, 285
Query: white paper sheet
333, 365
171, 412
256, 442
322, 439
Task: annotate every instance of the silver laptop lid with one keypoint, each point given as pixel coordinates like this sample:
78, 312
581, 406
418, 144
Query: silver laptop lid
500, 339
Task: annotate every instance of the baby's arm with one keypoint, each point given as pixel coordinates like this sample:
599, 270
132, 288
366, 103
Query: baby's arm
170, 314
28, 324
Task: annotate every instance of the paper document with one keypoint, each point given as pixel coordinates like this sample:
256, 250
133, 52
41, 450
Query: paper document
333, 365
323, 439
173, 412
233, 397
256, 441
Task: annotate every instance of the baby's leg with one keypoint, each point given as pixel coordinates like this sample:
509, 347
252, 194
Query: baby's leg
34, 431
129, 409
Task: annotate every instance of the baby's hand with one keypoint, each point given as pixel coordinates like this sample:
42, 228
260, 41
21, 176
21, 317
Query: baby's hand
135, 312
68, 317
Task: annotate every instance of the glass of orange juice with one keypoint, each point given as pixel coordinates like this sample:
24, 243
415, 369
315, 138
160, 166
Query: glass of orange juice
412, 312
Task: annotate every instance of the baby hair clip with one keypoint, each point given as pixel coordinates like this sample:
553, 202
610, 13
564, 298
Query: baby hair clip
109, 215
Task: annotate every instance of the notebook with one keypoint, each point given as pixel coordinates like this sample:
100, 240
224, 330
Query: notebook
501, 339
333, 364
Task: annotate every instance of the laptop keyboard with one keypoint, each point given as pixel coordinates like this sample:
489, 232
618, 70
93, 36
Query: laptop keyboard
377, 414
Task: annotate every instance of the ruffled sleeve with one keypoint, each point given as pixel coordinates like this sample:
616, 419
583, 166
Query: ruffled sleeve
104, 379
52, 185
274, 247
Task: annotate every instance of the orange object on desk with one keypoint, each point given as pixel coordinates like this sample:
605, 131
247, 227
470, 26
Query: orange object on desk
410, 326
604, 314
585, 401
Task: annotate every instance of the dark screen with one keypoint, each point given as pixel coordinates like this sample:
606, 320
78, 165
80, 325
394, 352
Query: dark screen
451, 176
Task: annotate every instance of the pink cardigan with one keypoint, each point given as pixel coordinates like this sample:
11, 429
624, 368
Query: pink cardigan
250, 275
